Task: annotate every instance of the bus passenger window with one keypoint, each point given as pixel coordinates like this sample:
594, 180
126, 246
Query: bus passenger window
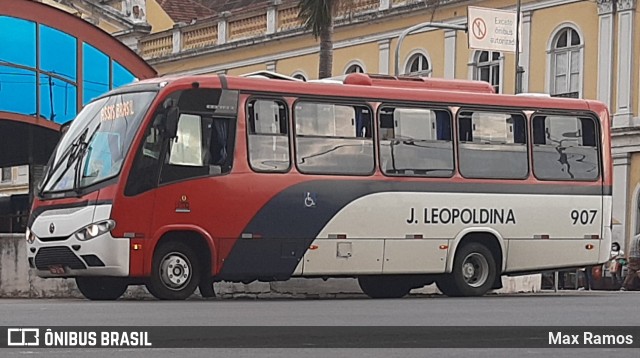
492, 145
333, 138
268, 137
565, 148
415, 142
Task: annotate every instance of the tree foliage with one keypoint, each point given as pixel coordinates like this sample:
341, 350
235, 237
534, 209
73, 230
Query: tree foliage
317, 16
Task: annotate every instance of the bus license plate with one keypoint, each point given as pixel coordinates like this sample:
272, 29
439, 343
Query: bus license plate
56, 270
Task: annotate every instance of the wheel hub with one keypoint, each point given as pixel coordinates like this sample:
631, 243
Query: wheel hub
175, 271
475, 270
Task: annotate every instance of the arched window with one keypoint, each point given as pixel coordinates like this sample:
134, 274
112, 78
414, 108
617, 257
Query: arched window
566, 59
487, 68
418, 65
354, 68
300, 76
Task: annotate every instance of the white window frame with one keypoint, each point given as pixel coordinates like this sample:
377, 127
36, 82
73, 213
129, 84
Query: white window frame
415, 55
301, 74
474, 67
552, 53
354, 63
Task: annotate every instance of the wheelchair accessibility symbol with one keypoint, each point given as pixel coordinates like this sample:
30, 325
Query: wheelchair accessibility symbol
310, 199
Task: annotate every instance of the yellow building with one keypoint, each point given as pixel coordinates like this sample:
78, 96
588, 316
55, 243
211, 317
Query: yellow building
571, 48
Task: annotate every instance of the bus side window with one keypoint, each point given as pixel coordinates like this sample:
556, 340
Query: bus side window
333, 138
492, 145
566, 148
268, 137
415, 142
201, 148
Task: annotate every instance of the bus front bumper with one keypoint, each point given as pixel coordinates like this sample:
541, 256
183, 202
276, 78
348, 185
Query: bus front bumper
100, 256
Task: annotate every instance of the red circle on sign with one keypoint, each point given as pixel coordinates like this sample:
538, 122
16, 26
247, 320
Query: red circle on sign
479, 28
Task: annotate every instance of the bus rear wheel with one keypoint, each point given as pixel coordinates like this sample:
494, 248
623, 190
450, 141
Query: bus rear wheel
384, 286
474, 272
175, 272
101, 288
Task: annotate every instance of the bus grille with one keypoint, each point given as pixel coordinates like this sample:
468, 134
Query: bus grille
55, 238
58, 255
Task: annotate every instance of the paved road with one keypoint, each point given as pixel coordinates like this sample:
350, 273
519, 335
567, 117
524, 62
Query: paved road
546, 309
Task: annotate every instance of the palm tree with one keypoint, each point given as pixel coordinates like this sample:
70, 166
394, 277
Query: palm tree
317, 16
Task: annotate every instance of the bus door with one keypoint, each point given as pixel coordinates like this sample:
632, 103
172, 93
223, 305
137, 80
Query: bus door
168, 186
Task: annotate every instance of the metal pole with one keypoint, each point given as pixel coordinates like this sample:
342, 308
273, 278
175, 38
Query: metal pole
437, 25
518, 88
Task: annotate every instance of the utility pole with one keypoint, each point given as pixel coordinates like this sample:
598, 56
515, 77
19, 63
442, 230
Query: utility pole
519, 69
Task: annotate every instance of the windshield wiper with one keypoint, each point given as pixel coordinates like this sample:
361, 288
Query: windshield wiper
69, 152
82, 149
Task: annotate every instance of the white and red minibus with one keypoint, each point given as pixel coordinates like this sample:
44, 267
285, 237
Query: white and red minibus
180, 182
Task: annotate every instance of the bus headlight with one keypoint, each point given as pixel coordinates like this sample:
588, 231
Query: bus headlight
96, 229
31, 238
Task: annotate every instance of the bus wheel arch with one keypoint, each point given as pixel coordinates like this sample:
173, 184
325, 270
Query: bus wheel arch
185, 253
476, 266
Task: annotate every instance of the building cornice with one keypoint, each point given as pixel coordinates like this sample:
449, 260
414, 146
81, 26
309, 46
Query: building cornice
605, 6
625, 5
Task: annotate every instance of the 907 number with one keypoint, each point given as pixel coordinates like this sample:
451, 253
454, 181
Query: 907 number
583, 217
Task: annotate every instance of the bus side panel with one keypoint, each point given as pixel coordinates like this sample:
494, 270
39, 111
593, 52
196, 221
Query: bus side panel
339, 256
607, 237
407, 225
563, 231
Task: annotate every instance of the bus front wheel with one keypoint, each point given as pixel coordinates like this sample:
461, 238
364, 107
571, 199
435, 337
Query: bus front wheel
175, 272
474, 272
101, 288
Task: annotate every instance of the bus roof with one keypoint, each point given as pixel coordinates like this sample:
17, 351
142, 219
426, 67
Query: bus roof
386, 88
419, 83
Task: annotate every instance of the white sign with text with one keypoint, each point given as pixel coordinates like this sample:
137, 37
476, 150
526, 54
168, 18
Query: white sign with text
491, 29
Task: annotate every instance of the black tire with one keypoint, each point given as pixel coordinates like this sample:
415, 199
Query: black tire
101, 288
447, 286
206, 288
384, 286
474, 272
175, 272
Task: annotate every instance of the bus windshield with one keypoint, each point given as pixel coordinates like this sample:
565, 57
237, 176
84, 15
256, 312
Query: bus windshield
96, 143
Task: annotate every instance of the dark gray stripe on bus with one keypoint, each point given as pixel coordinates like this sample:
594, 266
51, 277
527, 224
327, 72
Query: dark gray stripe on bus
287, 227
